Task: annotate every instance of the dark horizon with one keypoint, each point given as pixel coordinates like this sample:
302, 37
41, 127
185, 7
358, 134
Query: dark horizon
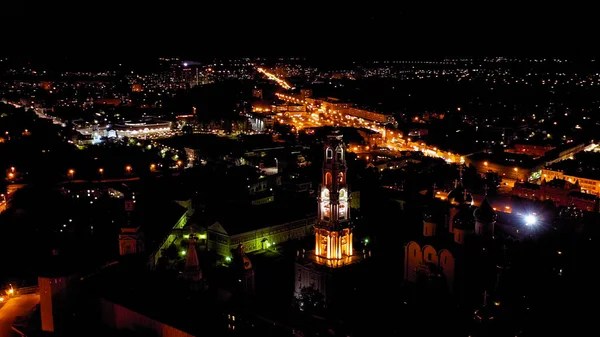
347, 32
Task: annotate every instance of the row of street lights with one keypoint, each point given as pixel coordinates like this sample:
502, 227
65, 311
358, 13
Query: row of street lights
128, 169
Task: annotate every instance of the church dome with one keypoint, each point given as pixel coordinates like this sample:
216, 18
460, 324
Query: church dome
459, 195
428, 215
464, 219
485, 212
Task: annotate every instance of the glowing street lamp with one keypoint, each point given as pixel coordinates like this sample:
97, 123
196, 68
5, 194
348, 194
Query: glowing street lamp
128, 168
530, 220
71, 174
152, 167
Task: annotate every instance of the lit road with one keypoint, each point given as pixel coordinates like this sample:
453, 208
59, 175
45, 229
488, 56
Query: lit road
393, 141
18, 306
81, 181
5, 198
274, 78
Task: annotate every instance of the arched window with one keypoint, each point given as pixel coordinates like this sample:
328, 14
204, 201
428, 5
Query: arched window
325, 194
343, 194
328, 178
339, 153
341, 178
328, 153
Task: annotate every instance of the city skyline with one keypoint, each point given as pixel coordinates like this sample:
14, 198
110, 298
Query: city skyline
353, 170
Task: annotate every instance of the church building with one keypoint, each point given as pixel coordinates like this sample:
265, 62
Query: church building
446, 253
333, 249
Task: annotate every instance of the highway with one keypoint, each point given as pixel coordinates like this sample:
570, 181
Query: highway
18, 306
393, 141
94, 181
274, 78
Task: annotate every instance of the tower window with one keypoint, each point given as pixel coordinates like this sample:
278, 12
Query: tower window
329, 154
328, 178
339, 154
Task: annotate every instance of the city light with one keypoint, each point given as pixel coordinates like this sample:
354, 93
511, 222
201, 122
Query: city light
530, 220
272, 77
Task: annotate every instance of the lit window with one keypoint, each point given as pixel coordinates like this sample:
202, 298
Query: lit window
329, 153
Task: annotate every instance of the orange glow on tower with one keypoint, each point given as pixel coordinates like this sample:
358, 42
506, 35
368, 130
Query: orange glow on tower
333, 231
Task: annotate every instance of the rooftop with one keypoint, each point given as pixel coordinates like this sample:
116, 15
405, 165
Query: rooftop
164, 299
583, 165
240, 219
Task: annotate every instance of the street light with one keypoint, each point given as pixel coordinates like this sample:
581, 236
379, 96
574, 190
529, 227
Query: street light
530, 220
71, 174
128, 168
152, 167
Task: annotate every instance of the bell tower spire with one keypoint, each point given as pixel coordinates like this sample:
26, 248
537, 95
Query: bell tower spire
333, 232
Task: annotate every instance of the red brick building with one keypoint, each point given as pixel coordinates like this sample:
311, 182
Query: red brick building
561, 192
531, 150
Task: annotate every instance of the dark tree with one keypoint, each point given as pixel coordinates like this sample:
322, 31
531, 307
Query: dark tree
310, 300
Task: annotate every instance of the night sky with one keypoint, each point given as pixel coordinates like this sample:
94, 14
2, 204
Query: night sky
108, 31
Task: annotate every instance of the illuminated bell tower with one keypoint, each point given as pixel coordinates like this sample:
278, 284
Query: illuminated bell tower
131, 239
333, 231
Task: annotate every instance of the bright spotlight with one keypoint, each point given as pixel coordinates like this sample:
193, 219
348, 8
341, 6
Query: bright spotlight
530, 220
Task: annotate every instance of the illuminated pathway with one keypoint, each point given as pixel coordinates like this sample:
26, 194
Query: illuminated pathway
17, 306
392, 140
272, 77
